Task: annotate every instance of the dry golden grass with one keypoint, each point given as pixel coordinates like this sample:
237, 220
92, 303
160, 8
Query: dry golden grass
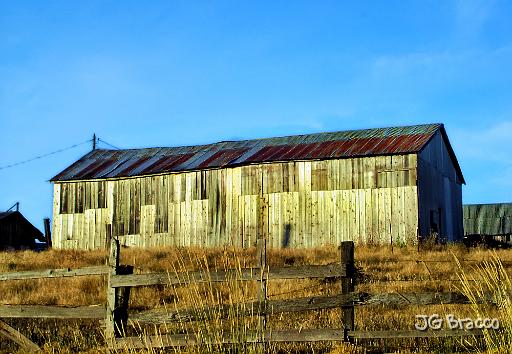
382, 270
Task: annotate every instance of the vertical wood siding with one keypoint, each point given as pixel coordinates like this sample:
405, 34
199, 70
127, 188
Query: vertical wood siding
293, 204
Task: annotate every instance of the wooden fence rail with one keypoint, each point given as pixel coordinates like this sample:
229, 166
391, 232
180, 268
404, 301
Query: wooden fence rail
287, 335
54, 273
243, 274
115, 314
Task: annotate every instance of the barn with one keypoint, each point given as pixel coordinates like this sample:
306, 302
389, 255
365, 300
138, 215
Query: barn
16, 232
377, 186
488, 220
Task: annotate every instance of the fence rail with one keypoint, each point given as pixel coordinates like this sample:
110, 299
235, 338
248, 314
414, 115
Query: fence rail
243, 274
54, 273
287, 335
41, 311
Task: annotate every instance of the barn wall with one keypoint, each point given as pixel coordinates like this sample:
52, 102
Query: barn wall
440, 191
296, 204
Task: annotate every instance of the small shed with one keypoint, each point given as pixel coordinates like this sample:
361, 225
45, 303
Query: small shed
377, 186
16, 232
494, 220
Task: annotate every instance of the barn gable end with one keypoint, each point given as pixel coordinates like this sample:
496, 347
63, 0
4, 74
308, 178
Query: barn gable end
440, 189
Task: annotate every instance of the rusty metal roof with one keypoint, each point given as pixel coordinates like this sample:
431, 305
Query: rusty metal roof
345, 144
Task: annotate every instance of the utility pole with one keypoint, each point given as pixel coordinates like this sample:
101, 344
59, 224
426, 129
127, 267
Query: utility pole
94, 141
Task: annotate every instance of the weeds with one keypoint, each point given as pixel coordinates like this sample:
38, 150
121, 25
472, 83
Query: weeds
384, 271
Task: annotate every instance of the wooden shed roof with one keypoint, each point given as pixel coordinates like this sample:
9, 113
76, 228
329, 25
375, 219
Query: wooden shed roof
100, 164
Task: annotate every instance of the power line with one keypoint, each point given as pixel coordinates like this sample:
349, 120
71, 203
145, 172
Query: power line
60, 150
45, 155
104, 142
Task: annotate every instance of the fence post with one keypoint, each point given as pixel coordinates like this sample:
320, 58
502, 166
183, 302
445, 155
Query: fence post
261, 249
112, 293
347, 286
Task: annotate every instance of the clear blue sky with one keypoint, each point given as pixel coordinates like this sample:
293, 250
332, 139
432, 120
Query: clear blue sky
165, 73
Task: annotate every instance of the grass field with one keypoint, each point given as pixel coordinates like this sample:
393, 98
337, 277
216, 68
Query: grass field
381, 269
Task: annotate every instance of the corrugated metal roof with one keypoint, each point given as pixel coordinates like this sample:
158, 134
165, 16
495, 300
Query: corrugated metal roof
487, 219
136, 162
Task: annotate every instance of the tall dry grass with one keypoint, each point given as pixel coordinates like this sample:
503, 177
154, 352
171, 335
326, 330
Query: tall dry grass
490, 292
382, 270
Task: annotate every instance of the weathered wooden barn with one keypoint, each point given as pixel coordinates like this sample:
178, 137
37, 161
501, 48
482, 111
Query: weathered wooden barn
488, 220
16, 232
387, 185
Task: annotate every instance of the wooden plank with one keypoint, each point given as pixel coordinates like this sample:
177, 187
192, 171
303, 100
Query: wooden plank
308, 242
372, 173
244, 274
284, 219
282, 335
255, 203
204, 215
388, 212
160, 316
346, 214
296, 238
270, 236
315, 222
229, 237
246, 208
361, 205
96, 239
301, 212
56, 222
78, 226
165, 315
402, 214
412, 213
54, 273
221, 212
395, 216
236, 191
375, 216
331, 223
395, 334
368, 205
355, 173
339, 216
251, 336
354, 216
12, 334
46, 312
320, 238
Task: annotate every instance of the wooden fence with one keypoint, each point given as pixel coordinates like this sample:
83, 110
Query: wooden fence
120, 279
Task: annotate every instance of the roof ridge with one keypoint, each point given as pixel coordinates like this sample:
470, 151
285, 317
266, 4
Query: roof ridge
437, 125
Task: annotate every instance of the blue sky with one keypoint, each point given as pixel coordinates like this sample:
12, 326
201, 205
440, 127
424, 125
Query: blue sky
165, 73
